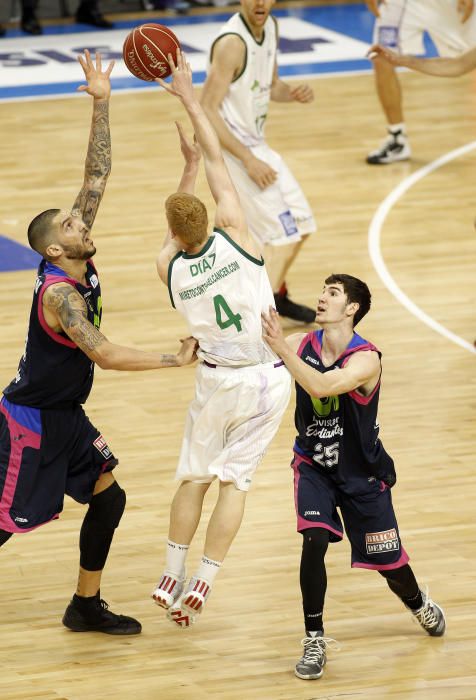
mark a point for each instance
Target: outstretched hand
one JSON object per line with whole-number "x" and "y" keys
{"x": 181, "y": 85}
{"x": 99, "y": 84}
{"x": 376, "y": 51}
{"x": 272, "y": 331}
{"x": 191, "y": 151}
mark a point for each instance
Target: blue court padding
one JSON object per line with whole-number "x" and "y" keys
{"x": 14, "y": 256}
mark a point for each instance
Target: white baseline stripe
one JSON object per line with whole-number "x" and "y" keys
{"x": 375, "y": 251}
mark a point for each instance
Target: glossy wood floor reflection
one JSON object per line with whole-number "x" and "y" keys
{"x": 246, "y": 643}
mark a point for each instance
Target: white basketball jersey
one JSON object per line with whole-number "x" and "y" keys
{"x": 222, "y": 291}
{"x": 245, "y": 106}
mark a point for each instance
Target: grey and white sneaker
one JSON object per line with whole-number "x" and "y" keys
{"x": 430, "y": 616}
{"x": 395, "y": 148}
{"x": 310, "y": 666}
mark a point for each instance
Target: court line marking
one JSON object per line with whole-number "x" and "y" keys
{"x": 374, "y": 239}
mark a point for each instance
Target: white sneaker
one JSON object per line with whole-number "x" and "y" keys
{"x": 195, "y": 596}
{"x": 168, "y": 590}
{"x": 395, "y": 148}
{"x": 179, "y": 617}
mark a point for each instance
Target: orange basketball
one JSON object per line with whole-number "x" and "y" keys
{"x": 145, "y": 51}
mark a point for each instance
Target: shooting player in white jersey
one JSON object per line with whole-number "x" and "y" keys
{"x": 242, "y": 79}
{"x": 220, "y": 284}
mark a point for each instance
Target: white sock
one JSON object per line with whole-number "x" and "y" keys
{"x": 175, "y": 558}
{"x": 208, "y": 569}
{"x": 393, "y": 128}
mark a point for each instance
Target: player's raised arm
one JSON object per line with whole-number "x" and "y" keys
{"x": 191, "y": 153}
{"x": 98, "y": 159}
{"x": 228, "y": 214}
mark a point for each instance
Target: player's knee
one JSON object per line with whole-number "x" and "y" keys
{"x": 102, "y": 518}
{"x": 315, "y": 542}
{"x": 106, "y": 508}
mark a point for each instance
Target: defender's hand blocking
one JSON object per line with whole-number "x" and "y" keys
{"x": 272, "y": 331}
{"x": 188, "y": 352}
{"x": 181, "y": 85}
{"x": 99, "y": 84}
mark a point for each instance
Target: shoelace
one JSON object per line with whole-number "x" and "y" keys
{"x": 316, "y": 647}
{"x": 103, "y": 604}
{"x": 427, "y": 615}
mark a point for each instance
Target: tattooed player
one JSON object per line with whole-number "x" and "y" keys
{"x": 48, "y": 447}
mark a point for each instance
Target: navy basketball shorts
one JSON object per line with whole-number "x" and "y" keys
{"x": 45, "y": 454}
{"x": 366, "y": 508}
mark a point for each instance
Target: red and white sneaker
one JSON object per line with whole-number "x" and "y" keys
{"x": 180, "y": 617}
{"x": 168, "y": 590}
{"x": 195, "y": 596}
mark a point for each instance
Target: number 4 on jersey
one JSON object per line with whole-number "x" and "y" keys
{"x": 224, "y": 315}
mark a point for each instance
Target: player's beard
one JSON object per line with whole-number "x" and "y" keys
{"x": 78, "y": 252}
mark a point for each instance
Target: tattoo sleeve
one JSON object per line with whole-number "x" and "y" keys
{"x": 169, "y": 360}
{"x": 70, "y": 309}
{"x": 98, "y": 164}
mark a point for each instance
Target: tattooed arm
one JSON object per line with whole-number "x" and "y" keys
{"x": 65, "y": 310}
{"x": 98, "y": 159}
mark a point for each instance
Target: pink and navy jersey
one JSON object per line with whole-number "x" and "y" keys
{"x": 338, "y": 435}
{"x": 53, "y": 372}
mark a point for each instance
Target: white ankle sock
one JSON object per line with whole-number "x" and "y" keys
{"x": 393, "y": 128}
{"x": 175, "y": 558}
{"x": 208, "y": 569}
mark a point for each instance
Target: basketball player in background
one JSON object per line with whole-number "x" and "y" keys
{"x": 242, "y": 79}
{"x": 218, "y": 281}
{"x": 47, "y": 444}
{"x": 400, "y": 26}
{"x": 339, "y": 461}
{"x": 441, "y": 67}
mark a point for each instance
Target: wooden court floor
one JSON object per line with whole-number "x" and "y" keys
{"x": 246, "y": 643}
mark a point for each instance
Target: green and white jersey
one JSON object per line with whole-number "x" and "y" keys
{"x": 222, "y": 291}
{"x": 245, "y": 106}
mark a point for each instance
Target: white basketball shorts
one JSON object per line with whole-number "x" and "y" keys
{"x": 279, "y": 214}
{"x": 231, "y": 421}
{"x": 402, "y": 23}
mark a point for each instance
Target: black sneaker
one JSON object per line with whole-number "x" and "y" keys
{"x": 97, "y": 618}
{"x": 94, "y": 17}
{"x": 297, "y": 312}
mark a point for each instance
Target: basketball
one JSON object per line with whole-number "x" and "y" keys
{"x": 145, "y": 51}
